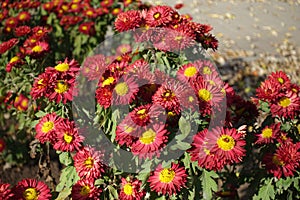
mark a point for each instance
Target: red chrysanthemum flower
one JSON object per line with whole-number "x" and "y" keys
{"x": 88, "y": 164}
{"x": 94, "y": 66}
{"x": 209, "y": 96}
{"x": 169, "y": 95}
{"x": 21, "y": 102}
{"x": 15, "y": 61}
{"x": 41, "y": 86}
{"x": 159, "y": 15}
{"x": 67, "y": 67}
{"x": 268, "y": 91}
{"x": 151, "y": 141}
{"x": 269, "y": 134}
{"x": 22, "y": 31}
{"x": 146, "y": 114}
{"x": 39, "y": 32}
{"x": 104, "y": 95}
{"x": 68, "y": 137}
{"x": 23, "y": 16}
{"x": 131, "y": 190}
{"x": 63, "y": 90}
{"x": 285, "y": 161}
{"x": 38, "y": 50}
{"x": 280, "y": 78}
{"x": 188, "y": 72}
{"x": 227, "y": 145}
{"x": 124, "y": 91}
{"x": 201, "y": 153}
{"x": 45, "y": 129}
{"x": 11, "y": 22}
{"x": 128, "y": 20}
{"x": 31, "y": 189}
{"x": 2, "y": 145}
{"x": 5, "y": 46}
{"x": 168, "y": 180}
{"x": 87, "y": 28}
{"x": 286, "y": 106}
{"x": 126, "y": 132}
{"x": 5, "y": 191}
{"x": 85, "y": 190}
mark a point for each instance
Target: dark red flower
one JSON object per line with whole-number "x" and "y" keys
{"x": 5, "y": 46}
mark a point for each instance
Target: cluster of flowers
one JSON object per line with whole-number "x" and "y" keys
{"x": 56, "y": 83}
{"x": 35, "y": 45}
{"x": 20, "y": 102}
{"x": 87, "y": 161}
{"x": 283, "y": 99}
{"x": 184, "y": 32}
{"x": 84, "y": 13}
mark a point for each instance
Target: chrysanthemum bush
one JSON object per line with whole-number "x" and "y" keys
{"x": 146, "y": 114}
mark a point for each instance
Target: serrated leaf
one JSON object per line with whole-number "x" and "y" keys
{"x": 64, "y": 194}
{"x": 67, "y": 178}
{"x": 65, "y": 158}
{"x": 266, "y": 192}
{"x": 98, "y": 182}
{"x": 184, "y": 126}
{"x": 208, "y": 183}
{"x": 113, "y": 193}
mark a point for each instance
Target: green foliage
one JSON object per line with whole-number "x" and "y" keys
{"x": 209, "y": 184}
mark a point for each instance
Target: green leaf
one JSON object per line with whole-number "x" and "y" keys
{"x": 67, "y": 178}
{"x": 208, "y": 183}
{"x": 65, "y": 158}
{"x": 266, "y": 192}
{"x": 113, "y": 193}
{"x": 64, "y": 194}
{"x": 99, "y": 182}
{"x": 184, "y": 127}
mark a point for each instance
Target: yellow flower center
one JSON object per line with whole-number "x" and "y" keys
{"x": 267, "y": 133}
{"x": 148, "y": 137}
{"x": 206, "y": 70}
{"x": 171, "y": 114}
{"x": 206, "y": 151}
{"x": 30, "y": 194}
{"x": 84, "y": 28}
{"x": 156, "y": 15}
{"x": 22, "y": 16}
{"x": 204, "y": 94}
{"x": 168, "y": 95}
{"x": 128, "y": 129}
{"x": 280, "y": 80}
{"x": 74, "y": 6}
{"x": 85, "y": 190}
{"x": 128, "y": 189}
{"x": 226, "y": 142}
{"x": 14, "y": 59}
{"x": 24, "y": 103}
{"x": 89, "y": 162}
{"x": 108, "y": 81}
{"x": 178, "y": 38}
{"x": 61, "y": 87}
{"x": 68, "y": 138}
{"x": 122, "y": 88}
{"x": 190, "y": 71}
{"x": 276, "y": 161}
{"x": 142, "y": 113}
{"x": 62, "y": 67}
{"x": 89, "y": 13}
{"x": 166, "y": 175}
{"x": 37, "y": 48}
{"x": 47, "y": 126}
{"x": 284, "y": 102}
